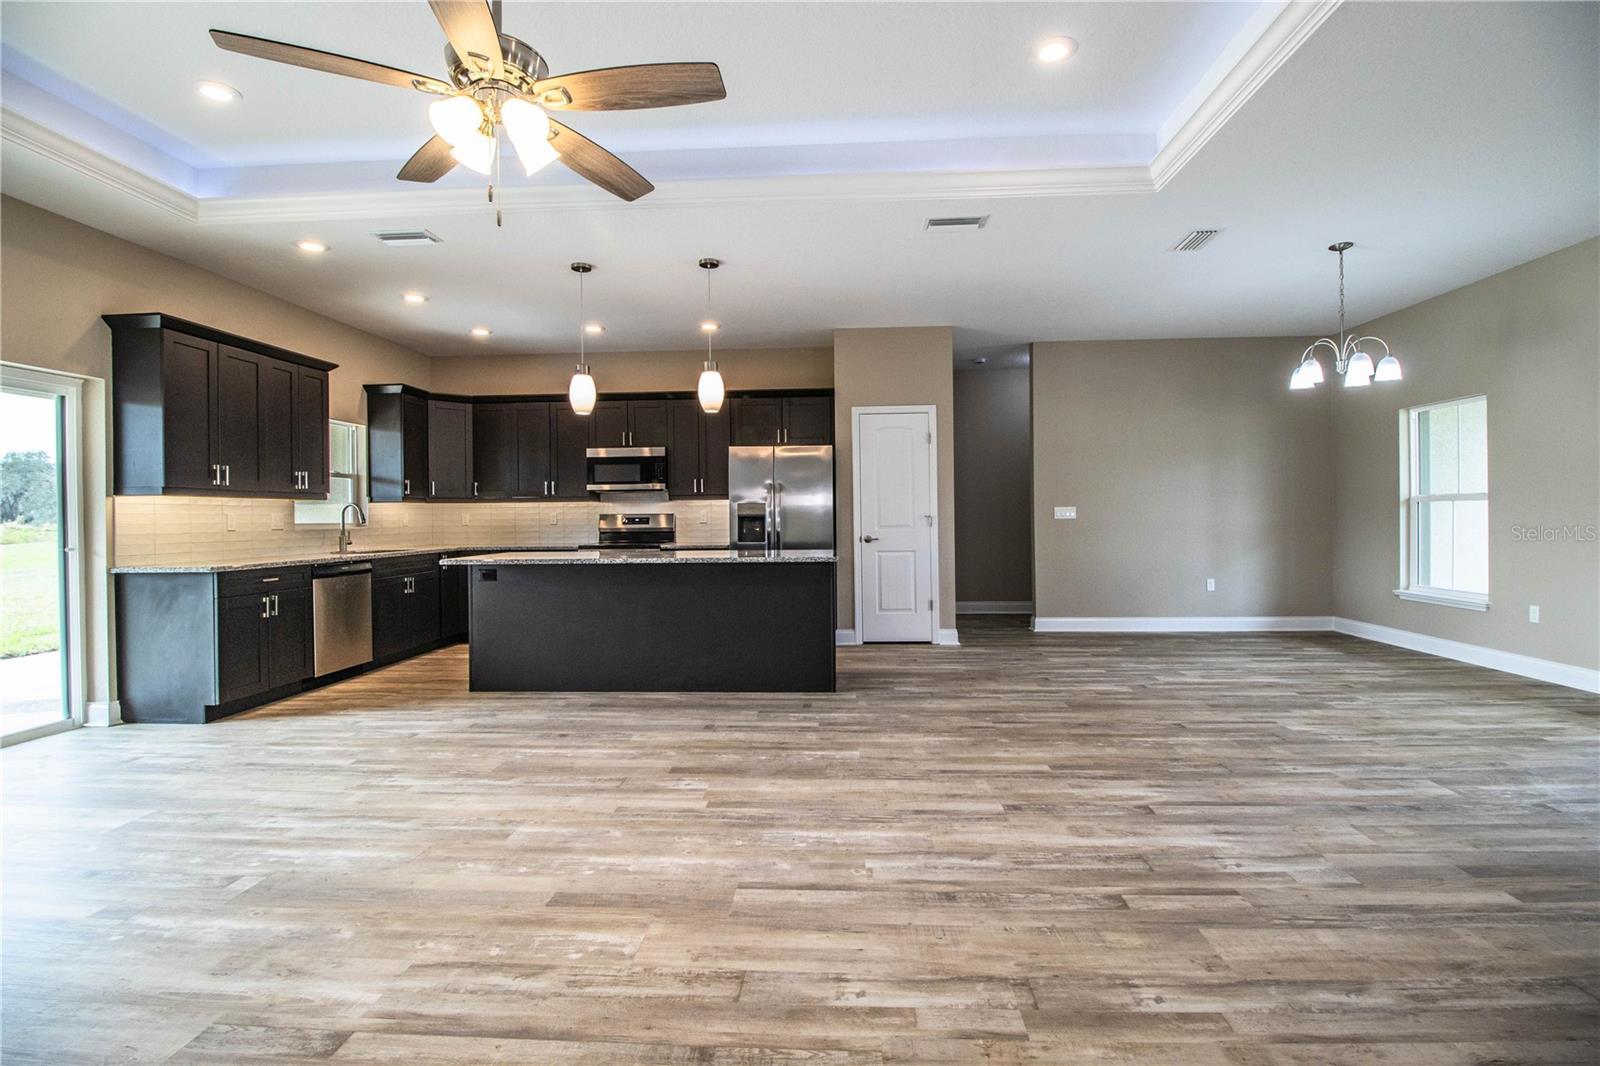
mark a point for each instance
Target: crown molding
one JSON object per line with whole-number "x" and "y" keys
{"x": 1281, "y": 39}
{"x": 41, "y": 141}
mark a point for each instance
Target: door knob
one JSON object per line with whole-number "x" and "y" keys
{"x": 868, "y": 539}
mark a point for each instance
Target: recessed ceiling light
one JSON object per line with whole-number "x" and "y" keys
{"x": 480, "y": 331}
{"x": 1055, "y": 49}
{"x": 309, "y": 245}
{"x": 217, "y": 92}
{"x": 414, "y": 298}
{"x": 592, "y": 328}
{"x": 709, "y": 326}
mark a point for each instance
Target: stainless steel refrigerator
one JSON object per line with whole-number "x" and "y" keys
{"x": 780, "y": 497}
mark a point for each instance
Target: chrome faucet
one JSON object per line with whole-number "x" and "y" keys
{"x": 344, "y": 534}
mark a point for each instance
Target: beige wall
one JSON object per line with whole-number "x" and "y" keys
{"x": 778, "y": 368}
{"x": 1529, "y": 340}
{"x": 60, "y": 277}
{"x": 1186, "y": 459}
{"x": 994, "y": 462}
{"x": 876, "y": 367}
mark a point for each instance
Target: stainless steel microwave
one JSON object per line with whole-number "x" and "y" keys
{"x": 627, "y": 469}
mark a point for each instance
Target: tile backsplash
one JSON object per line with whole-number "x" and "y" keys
{"x": 179, "y": 530}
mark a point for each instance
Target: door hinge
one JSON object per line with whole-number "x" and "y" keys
{"x": 930, "y": 605}
{"x": 930, "y": 436}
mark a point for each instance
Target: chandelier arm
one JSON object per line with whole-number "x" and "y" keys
{"x": 1363, "y": 340}
{"x": 1318, "y": 343}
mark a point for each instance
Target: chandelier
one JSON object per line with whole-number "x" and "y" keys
{"x": 1348, "y": 358}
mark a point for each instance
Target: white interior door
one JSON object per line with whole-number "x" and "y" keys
{"x": 894, "y": 524}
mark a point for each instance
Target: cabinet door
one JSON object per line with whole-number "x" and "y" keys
{"x": 311, "y": 429}
{"x": 494, "y": 450}
{"x": 756, "y": 419}
{"x": 391, "y": 604}
{"x": 188, "y": 405}
{"x": 449, "y": 450}
{"x": 647, "y": 423}
{"x": 239, "y": 417}
{"x": 609, "y": 424}
{"x": 241, "y": 651}
{"x": 289, "y": 638}
{"x": 684, "y": 458}
{"x": 422, "y": 613}
{"x": 453, "y": 602}
{"x": 569, "y": 466}
{"x": 414, "y": 447}
{"x": 534, "y": 466}
{"x": 714, "y": 438}
{"x": 276, "y": 413}
{"x": 808, "y": 420}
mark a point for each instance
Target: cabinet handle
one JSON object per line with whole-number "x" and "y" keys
{"x": 474, "y": 488}
{"x": 274, "y": 605}
{"x": 227, "y": 474}
{"x": 266, "y": 607}
{"x": 433, "y": 488}
{"x": 405, "y": 486}
{"x": 216, "y": 474}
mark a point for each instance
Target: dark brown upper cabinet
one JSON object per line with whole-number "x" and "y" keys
{"x": 202, "y": 412}
{"x": 779, "y": 419}
{"x": 697, "y": 455}
{"x": 450, "y": 450}
{"x": 629, "y": 424}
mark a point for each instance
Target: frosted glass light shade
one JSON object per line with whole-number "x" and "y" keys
{"x": 1314, "y": 371}
{"x": 528, "y": 127}
{"x": 1388, "y": 369}
{"x": 456, "y": 118}
{"x": 1360, "y": 364}
{"x": 581, "y": 392}
{"x": 1353, "y": 380}
{"x": 710, "y": 389}
{"x": 476, "y": 154}
{"x": 1300, "y": 379}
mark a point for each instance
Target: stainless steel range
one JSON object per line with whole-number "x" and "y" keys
{"x": 636, "y": 530}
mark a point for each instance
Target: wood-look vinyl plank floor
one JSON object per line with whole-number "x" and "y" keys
{"x": 1275, "y": 850}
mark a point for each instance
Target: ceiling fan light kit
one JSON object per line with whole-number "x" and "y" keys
{"x": 1348, "y": 357}
{"x": 498, "y": 81}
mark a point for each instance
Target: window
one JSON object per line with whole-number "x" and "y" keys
{"x": 347, "y": 477}
{"x": 1445, "y": 505}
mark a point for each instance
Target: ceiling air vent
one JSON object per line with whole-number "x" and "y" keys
{"x": 957, "y": 222}
{"x": 404, "y": 237}
{"x": 1196, "y": 240}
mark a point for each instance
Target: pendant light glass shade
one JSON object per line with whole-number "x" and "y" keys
{"x": 710, "y": 389}
{"x": 1360, "y": 365}
{"x": 1300, "y": 379}
{"x": 528, "y": 128}
{"x": 581, "y": 392}
{"x": 476, "y": 155}
{"x": 1388, "y": 369}
{"x": 457, "y": 119}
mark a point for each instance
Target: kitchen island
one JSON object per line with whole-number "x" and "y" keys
{"x": 650, "y": 621}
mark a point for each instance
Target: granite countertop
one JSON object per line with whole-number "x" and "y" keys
{"x": 367, "y": 556}
{"x": 601, "y": 558}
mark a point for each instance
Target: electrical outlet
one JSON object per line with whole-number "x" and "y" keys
{"x": 230, "y": 521}
{"x": 466, "y": 519}
{"x": 277, "y": 520}
{"x": 1211, "y": 584}
{"x": 552, "y": 516}
{"x": 1066, "y": 512}
{"x": 1533, "y": 613}
{"x": 702, "y": 517}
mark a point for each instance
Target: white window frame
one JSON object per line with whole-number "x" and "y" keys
{"x": 312, "y": 514}
{"x": 1410, "y": 588}
{"x": 30, "y": 381}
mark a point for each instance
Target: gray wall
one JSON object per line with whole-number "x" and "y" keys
{"x": 1529, "y": 340}
{"x": 994, "y": 537}
{"x": 1186, "y": 459}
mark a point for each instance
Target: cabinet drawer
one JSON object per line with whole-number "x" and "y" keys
{"x": 242, "y": 582}
{"x": 403, "y": 564}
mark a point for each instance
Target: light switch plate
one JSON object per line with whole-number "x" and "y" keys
{"x": 1533, "y": 613}
{"x": 277, "y": 521}
{"x": 1066, "y": 512}
{"x": 230, "y": 522}
{"x": 466, "y": 519}
{"x": 1211, "y": 584}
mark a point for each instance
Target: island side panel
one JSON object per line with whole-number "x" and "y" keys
{"x": 658, "y": 627}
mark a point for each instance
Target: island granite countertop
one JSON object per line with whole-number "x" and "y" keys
{"x": 649, "y": 556}
{"x": 320, "y": 560}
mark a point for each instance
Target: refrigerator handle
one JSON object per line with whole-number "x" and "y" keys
{"x": 770, "y": 541}
{"x": 777, "y": 510}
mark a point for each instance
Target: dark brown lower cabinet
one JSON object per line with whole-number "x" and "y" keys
{"x": 405, "y": 614}
{"x": 263, "y": 642}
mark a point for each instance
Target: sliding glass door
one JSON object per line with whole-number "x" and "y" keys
{"x": 36, "y": 655}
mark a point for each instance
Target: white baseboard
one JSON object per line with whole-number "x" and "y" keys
{"x": 845, "y": 638}
{"x": 994, "y": 607}
{"x": 948, "y": 638}
{"x": 1555, "y": 673}
{"x": 102, "y": 713}
{"x": 1186, "y": 624}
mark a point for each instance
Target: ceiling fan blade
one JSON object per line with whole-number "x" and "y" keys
{"x": 595, "y": 163}
{"x": 469, "y": 25}
{"x": 430, "y": 163}
{"x": 328, "y": 62}
{"x": 629, "y": 88}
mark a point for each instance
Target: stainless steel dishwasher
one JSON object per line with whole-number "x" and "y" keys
{"x": 341, "y": 616}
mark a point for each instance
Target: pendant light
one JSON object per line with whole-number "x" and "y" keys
{"x": 581, "y": 392}
{"x": 710, "y": 388}
{"x": 1348, "y": 358}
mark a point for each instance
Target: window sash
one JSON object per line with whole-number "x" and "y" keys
{"x": 1413, "y": 504}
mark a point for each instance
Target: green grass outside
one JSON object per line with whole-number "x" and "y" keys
{"x": 29, "y": 591}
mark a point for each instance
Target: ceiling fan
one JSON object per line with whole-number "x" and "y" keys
{"x": 496, "y": 82}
